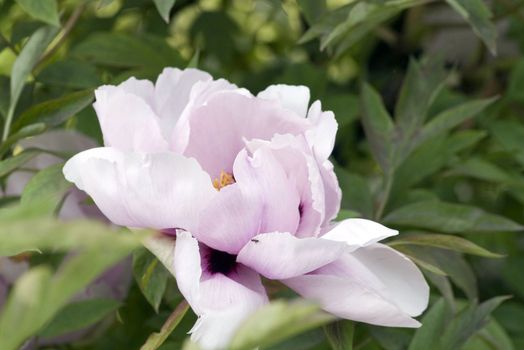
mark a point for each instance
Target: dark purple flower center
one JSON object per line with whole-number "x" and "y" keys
{"x": 221, "y": 262}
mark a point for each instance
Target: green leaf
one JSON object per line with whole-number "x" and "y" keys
{"x": 55, "y": 112}
{"x": 468, "y": 322}
{"x": 79, "y": 315}
{"x": 450, "y": 218}
{"x": 455, "y": 243}
{"x": 24, "y": 64}
{"x": 43, "y": 10}
{"x": 164, "y": 8}
{"x": 356, "y": 193}
{"x": 26, "y": 131}
{"x": 448, "y": 262}
{"x": 276, "y": 322}
{"x": 340, "y": 334}
{"x": 378, "y": 126}
{"x": 70, "y": 73}
{"x": 155, "y": 340}
{"x": 477, "y": 13}
{"x": 151, "y": 276}
{"x": 312, "y": 9}
{"x": 11, "y": 164}
{"x": 47, "y": 185}
{"x": 39, "y": 295}
{"x": 421, "y": 85}
{"x": 510, "y": 135}
{"x": 433, "y": 324}
{"x": 453, "y": 117}
{"x": 492, "y": 336}
{"x": 128, "y": 51}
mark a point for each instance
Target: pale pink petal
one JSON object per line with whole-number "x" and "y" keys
{"x": 403, "y": 280}
{"x": 293, "y": 154}
{"x": 160, "y": 190}
{"x": 333, "y": 193}
{"x": 321, "y": 136}
{"x": 186, "y": 265}
{"x": 280, "y": 200}
{"x": 358, "y": 233}
{"x": 127, "y": 121}
{"x": 280, "y": 255}
{"x": 201, "y": 92}
{"x": 348, "y": 298}
{"x": 227, "y": 302}
{"x": 142, "y": 88}
{"x": 231, "y": 219}
{"x": 262, "y": 200}
{"x": 292, "y": 97}
{"x": 219, "y": 129}
{"x": 172, "y": 94}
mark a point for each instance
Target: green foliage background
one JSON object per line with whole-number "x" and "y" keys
{"x": 429, "y": 97}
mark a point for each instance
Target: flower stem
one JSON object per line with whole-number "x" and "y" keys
{"x": 155, "y": 340}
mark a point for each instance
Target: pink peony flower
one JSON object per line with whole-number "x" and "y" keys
{"x": 245, "y": 184}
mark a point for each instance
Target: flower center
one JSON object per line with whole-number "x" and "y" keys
{"x": 223, "y": 180}
{"x": 221, "y": 262}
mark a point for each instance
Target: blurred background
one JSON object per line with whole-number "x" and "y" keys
{"x": 429, "y": 98}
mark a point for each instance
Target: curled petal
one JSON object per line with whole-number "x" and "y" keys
{"x": 358, "y": 233}
{"x": 375, "y": 285}
{"x": 321, "y": 137}
{"x": 292, "y": 97}
{"x": 160, "y": 190}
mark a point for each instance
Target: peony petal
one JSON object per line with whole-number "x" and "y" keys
{"x": 358, "y": 233}
{"x": 279, "y": 255}
{"x": 127, "y": 121}
{"x": 160, "y": 190}
{"x": 219, "y": 129}
{"x": 333, "y": 193}
{"x": 172, "y": 90}
{"x": 227, "y": 302}
{"x": 186, "y": 267}
{"x": 292, "y": 97}
{"x": 348, "y": 298}
{"x": 263, "y": 200}
{"x": 321, "y": 137}
{"x": 231, "y": 219}
{"x": 293, "y": 155}
{"x": 404, "y": 282}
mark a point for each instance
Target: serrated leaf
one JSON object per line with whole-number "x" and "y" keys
{"x": 79, "y": 315}
{"x": 450, "y": 242}
{"x": 378, "y": 126}
{"x": 450, "y": 218}
{"x": 164, "y": 8}
{"x": 477, "y": 13}
{"x": 151, "y": 276}
{"x": 42, "y": 10}
{"x": 276, "y": 322}
{"x": 55, "y": 112}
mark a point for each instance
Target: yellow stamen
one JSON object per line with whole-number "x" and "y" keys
{"x": 223, "y": 180}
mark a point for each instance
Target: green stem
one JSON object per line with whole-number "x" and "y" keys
{"x": 8, "y": 120}
{"x": 155, "y": 340}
